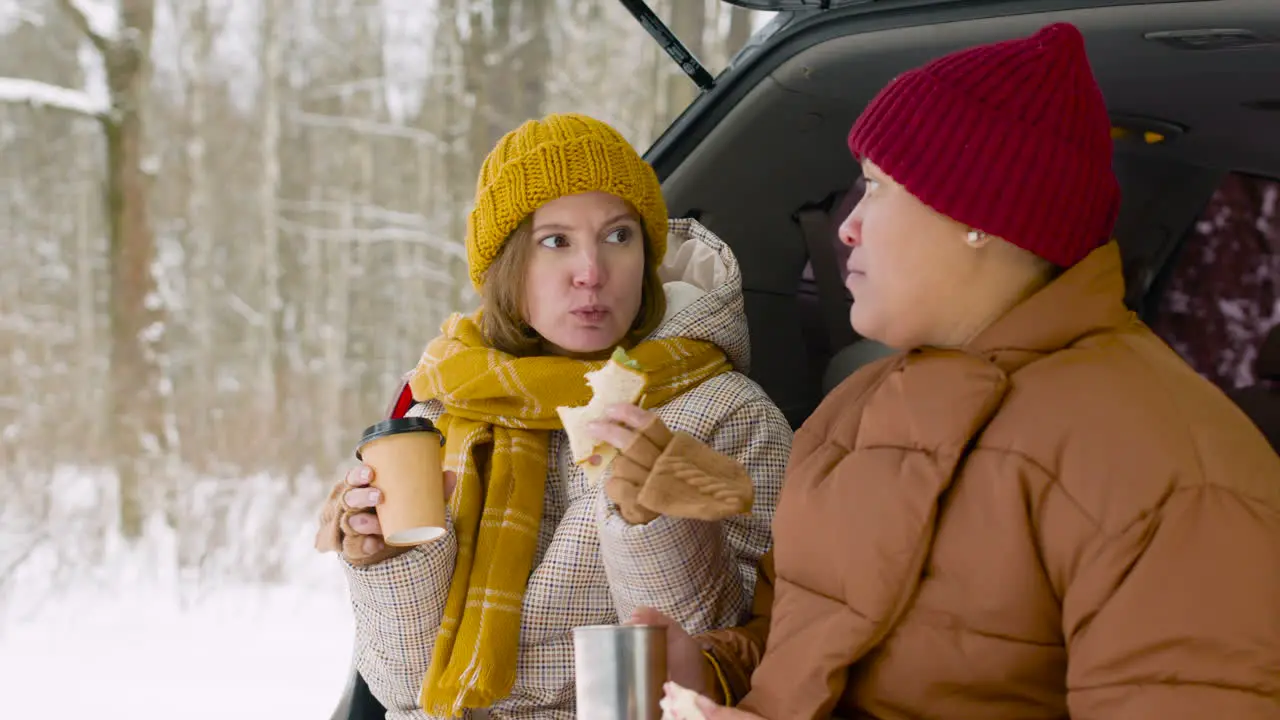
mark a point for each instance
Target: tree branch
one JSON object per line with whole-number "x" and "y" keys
{"x": 94, "y": 24}
{"x": 362, "y": 126}
{"x": 446, "y": 247}
{"x": 44, "y": 95}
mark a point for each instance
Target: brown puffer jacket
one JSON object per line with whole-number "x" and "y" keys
{"x": 1063, "y": 520}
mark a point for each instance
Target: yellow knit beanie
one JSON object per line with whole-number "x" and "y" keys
{"x": 550, "y": 158}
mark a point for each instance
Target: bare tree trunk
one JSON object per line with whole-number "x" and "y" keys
{"x": 317, "y": 336}
{"x": 477, "y": 84}
{"x": 430, "y": 200}
{"x": 739, "y": 31}
{"x": 89, "y": 216}
{"x": 203, "y": 277}
{"x": 460, "y": 164}
{"x": 688, "y": 22}
{"x": 337, "y": 297}
{"x": 273, "y": 365}
{"x": 134, "y": 402}
{"x": 496, "y": 86}
{"x": 15, "y": 381}
{"x": 441, "y": 193}
{"x": 653, "y": 108}
{"x": 535, "y": 58}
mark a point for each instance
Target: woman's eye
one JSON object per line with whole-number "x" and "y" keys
{"x": 871, "y": 185}
{"x": 553, "y": 241}
{"x": 621, "y": 235}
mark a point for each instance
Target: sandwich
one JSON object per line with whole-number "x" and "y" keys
{"x": 680, "y": 703}
{"x": 620, "y": 381}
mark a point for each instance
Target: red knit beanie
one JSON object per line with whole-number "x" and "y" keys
{"x": 1011, "y": 138}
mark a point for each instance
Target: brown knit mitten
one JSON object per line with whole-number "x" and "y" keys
{"x": 690, "y": 480}
{"x": 661, "y": 473}
{"x": 631, "y": 470}
{"x": 335, "y": 533}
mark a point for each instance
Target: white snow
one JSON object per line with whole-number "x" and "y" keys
{"x": 168, "y": 72}
{"x": 103, "y": 17}
{"x": 93, "y": 627}
{"x": 407, "y": 46}
{"x": 236, "y": 59}
{"x": 41, "y": 94}
{"x": 95, "y": 74}
{"x": 14, "y": 14}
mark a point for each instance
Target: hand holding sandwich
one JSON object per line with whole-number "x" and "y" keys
{"x": 658, "y": 472}
{"x": 680, "y": 703}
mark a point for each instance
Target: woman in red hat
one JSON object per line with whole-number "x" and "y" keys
{"x": 1035, "y": 509}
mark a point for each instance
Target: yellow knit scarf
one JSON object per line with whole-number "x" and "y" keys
{"x": 499, "y": 410}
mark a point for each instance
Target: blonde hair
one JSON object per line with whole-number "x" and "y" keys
{"x": 503, "y": 291}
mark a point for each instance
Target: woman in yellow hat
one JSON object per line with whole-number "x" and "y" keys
{"x": 571, "y": 249}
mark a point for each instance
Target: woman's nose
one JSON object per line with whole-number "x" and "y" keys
{"x": 588, "y": 273}
{"x": 850, "y": 231}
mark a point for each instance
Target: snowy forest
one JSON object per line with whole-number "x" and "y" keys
{"x": 229, "y": 228}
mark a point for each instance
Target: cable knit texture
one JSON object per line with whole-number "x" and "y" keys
{"x": 691, "y": 480}
{"x": 1011, "y": 138}
{"x": 546, "y": 159}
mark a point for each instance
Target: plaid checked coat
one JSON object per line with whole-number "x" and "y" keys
{"x": 592, "y": 567}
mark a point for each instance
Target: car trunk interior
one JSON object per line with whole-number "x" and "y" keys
{"x": 769, "y": 140}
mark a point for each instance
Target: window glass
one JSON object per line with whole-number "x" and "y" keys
{"x": 1222, "y": 296}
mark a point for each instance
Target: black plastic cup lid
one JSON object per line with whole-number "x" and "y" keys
{"x": 396, "y": 426}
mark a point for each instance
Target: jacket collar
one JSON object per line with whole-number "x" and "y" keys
{"x": 1086, "y": 299}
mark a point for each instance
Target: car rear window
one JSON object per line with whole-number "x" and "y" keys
{"x": 1222, "y": 296}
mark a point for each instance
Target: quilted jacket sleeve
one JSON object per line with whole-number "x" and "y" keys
{"x": 702, "y": 573}
{"x": 1176, "y": 615}
{"x": 398, "y": 605}
{"x": 737, "y": 651}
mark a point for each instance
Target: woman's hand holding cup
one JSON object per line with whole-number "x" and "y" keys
{"x": 349, "y": 524}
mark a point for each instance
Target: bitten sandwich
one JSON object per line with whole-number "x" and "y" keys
{"x": 620, "y": 381}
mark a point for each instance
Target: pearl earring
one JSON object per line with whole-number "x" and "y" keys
{"x": 975, "y": 238}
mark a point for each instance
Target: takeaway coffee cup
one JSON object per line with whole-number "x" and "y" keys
{"x": 619, "y": 671}
{"x": 405, "y": 456}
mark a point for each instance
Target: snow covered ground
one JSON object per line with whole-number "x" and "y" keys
{"x": 123, "y": 634}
